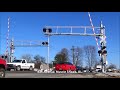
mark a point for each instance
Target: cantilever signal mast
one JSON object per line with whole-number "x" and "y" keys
{"x": 48, "y": 31}
{"x": 25, "y": 43}
{"x": 102, "y": 51}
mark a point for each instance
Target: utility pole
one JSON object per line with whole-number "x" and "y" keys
{"x": 73, "y": 51}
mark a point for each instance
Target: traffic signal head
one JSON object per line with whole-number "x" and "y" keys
{"x": 104, "y": 52}
{"x": 99, "y": 52}
{"x": 2, "y": 56}
{"x": 50, "y": 30}
{"x": 44, "y": 43}
{"x": 103, "y": 47}
{"x": 5, "y": 57}
{"x": 47, "y": 30}
{"x": 44, "y": 29}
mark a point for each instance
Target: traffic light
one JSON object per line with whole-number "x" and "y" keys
{"x": 47, "y": 30}
{"x": 4, "y": 57}
{"x": 44, "y": 43}
{"x": 103, "y": 47}
{"x": 104, "y": 51}
{"x": 100, "y": 52}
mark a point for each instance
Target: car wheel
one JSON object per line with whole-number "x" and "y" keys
{"x": 2, "y": 73}
{"x": 18, "y": 68}
{"x": 31, "y": 68}
{"x": 77, "y": 71}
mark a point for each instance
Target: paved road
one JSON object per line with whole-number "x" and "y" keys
{"x": 32, "y": 74}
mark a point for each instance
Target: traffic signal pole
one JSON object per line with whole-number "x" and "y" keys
{"x": 48, "y": 49}
{"x": 103, "y": 53}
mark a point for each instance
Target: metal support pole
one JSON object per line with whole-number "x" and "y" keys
{"x": 103, "y": 43}
{"x": 48, "y": 49}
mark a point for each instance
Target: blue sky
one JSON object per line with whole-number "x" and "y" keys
{"x": 29, "y": 26}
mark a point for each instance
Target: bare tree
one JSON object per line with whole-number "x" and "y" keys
{"x": 112, "y": 66}
{"x": 59, "y": 58}
{"x": 37, "y": 57}
{"x": 42, "y": 59}
{"x": 28, "y": 57}
{"x": 62, "y": 56}
{"x": 65, "y": 55}
{"x": 38, "y": 61}
{"x": 79, "y": 56}
{"x": 90, "y": 54}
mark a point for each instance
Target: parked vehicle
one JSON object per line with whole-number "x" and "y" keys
{"x": 19, "y": 65}
{"x": 3, "y": 66}
{"x": 78, "y": 68}
{"x": 98, "y": 68}
{"x": 11, "y": 66}
{"x": 65, "y": 66}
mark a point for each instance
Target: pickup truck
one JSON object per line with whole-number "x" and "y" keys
{"x": 3, "y": 66}
{"x": 20, "y": 65}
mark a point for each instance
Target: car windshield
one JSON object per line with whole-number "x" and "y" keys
{"x": 17, "y": 61}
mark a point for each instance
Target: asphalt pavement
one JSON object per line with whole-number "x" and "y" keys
{"x": 34, "y": 74}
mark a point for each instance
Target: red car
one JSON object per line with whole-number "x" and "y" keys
{"x": 3, "y": 66}
{"x": 65, "y": 66}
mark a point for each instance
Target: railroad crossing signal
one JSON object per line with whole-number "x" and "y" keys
{"x": 4, "y": 56}
{"x": 102, "y": 51}
{"x": 47, "y": 30}
{"x": 44, "y": 43}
